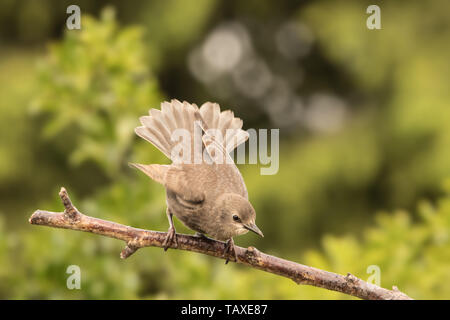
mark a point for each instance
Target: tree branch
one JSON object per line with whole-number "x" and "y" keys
{"x": 135, "y": 239}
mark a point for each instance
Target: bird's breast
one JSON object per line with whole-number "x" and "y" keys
{"x": 191, "y": 214}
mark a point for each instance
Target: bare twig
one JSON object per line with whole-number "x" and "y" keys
{"x": 135, "y": 239}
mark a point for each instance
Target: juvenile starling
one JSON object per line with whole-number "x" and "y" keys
{"x": 204, "y": 188}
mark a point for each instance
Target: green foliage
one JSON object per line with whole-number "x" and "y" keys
{"x": 93, "y": 86}
{"x": 310, "y": 179}
{"x": 404, "y": 63}
{"x": 412, "y": 255}
{"x": 172, "y": 25}
{"x": 16, "y": 88}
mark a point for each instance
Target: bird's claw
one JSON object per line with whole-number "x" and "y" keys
{"x": 171, "y": 237}
{"x": 229, "y": 251}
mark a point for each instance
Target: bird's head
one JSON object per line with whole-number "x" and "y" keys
{"x": 237, "y": 215}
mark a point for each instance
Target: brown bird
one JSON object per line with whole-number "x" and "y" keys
{"x": 204, "y": 188}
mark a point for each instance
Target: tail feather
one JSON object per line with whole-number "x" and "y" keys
{"x": 152, "y": 137}
{"x": 155, "y": 171}
{"x": 177, "y": 114}
{"x": 229, "y": 126}
{"x": 159, "y": 126}
{"x": 168, "y": 112}
{"x": 224, "y": 121}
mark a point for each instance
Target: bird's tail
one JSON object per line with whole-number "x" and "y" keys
{"x": 160, "y": 125}
{"x": 155, "y": 171}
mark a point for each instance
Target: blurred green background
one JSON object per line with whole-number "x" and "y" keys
{"x": 364, "y": 124}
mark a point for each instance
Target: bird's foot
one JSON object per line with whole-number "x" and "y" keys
{"x": 171, "y": 237}
{"x": 229, "y": 251}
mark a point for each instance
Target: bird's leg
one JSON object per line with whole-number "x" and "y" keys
{"x": 229, "y": 251}
{"x": 171, "y": 233}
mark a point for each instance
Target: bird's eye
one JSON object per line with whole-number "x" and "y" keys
{"x": 235, "y": 217}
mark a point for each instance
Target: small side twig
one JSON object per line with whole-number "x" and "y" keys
{"x": 136, "y": 238}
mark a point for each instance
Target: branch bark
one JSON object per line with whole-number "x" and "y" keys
{"x": 135, "y": 239}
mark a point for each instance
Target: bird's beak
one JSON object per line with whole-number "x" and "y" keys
{"x": 253, "y": 227}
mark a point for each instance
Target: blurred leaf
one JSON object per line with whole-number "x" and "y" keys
{"x": 94, "y": 85}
